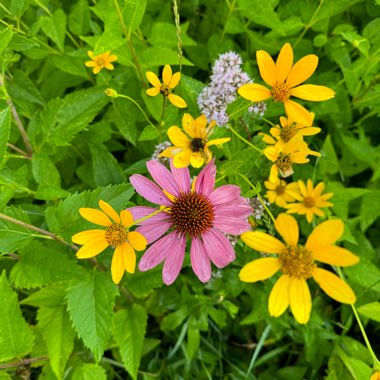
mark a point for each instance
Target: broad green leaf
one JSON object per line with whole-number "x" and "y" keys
{"x": 5, "y": 38}
{"x": 173, "y": 320}
{"x": 238, "y": 108}
{"x": 140, "y": 284}
{"x": 5, "y": 127}
{"x": 133, "y": 12}
{"x": 90, "y": 305}
{"x": 371, "y": 310}
{"x": 16, "y": 337}
{"x": 111, "y": 39}
{"x": 4, "y": 376}
{"x": 49, "y": 296}
{"x": 149, "y": 133}
{"x": 21, "y": 43}
{"x": 58, "y": 334}
{"x": 55, "y": 27}
{"x": 165, "y": 35}
{"x": 328, "y": 162}
{"x": 370, "y": 209}
{"x": 79, "y": 18}
{"x": 44, "y": 170}
{"x": 89, "y": 371}
{"x": 190, "y": 90}
{"x": 365, "y": 273}
{"x": 50, "y": 193}
{"x": 156, "y": 56}
{"x": 129, "y": 331}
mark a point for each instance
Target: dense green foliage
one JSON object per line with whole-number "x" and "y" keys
{"x": 72, "y": 145}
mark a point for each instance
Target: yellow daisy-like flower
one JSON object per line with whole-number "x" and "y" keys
{"x": 280, "y": 192}
{"x": 297, "y": 264}
{"x": 115, "y": 235}
{"x": 287, "y": 130}
{"x": 284, "y": 78}
{"x": 100, "y": 61}
{"x": 310, "y": 200}
{"x": 295, "y": 151}
{"x": 169, "y": 81}
{"x": 194, "y": 148}
{"x": 375, "y": 376}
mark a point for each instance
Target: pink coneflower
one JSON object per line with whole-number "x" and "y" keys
{"x": 197, "y": 211}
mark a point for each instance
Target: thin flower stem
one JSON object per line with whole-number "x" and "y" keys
{"x": 24, "y": 362}
{"x": 138, "y": 106}
{"x": 149, "y": 216}
{"x": 258, "y": 348}
{"x": 376, "y": 361}
{"x": 14, "y": 147}
{"x": 269, "y": 122}
{"x": 243, "y": 139}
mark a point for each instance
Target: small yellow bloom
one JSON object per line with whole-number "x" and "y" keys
{"x": 115, "y": 235}
{"x": 287, "y": 130}
{"x": 169, "y": 81}
{"x": 100, "y": 61}
{"x": 281, "y": 193}
{"x": 194, "y": 148}
{"x": 310, "y": 200}
{"x": 297, "y": 264}
{"x": 112, "y": 93}
{"x": 375, "y": 376}
{"x": 284, "y": 78}
{"x": 295, "y": 151}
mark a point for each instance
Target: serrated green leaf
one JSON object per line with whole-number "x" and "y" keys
{"x": 18, "y": 7}
{"x": 129, "y": 331}
{"x": 238, "y": 108}
{"x": 58, "y": 334}
{"x": 371, "y": 310}
{"x": 55, "y": 27}
{"x": 44, "y": 170}
{"x": 5, "y": 127}
{"x": 46, "y": 192}
{"x": 173, "y": 320}
{"x": 16, "y": 338}
{"x": 50, "y": 296}
{"x": 90, "y": 305}
{"x": 21, "y": 43}
{"x": 89, "y": 371}
{"x": 133, "y": 13}
{"x": 149, "y": 133}
{"x": 5, "y": 38}
{"x": 370, "y": 209}
{"x": 328, "y": 162}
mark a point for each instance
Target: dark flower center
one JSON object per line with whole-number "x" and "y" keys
{"x": 197, "y": 145}
{"x": 284, "y": 162}
{"x": 100, "y": 62}
{"x": 165, "y": 90}
{"x": 297, "y": 262}
{"x": 308, "y": 202}
{"x": 280, "y": 190}
{"x": 288, "y": 133}
{"x": 116, "y": 234}
{"x": 192, "y": 213}
{"x": 280, "y": 92}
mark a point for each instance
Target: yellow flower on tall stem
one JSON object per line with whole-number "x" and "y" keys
{"x": 297, "y": 264}
{"x": 284, "y": 78}
{"x": 310, "y": 200}
{"x": 280, "y": 192}
{"x": 169, "y": 81}
{"x": 115, "y": 235}
{"x": 100, "y": 61}
{"x": 192, "y": 148}
{"x": 295, "y": 151}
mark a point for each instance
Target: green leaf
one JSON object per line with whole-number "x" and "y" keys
{"x": 371, "y": 310}
{"x": 5, "y": 127}
{"x": 328, "y": 162}
{"x": 49, "y": 296}
{"x": 50, "y": 193}
{"x": 18, "y": 7}
{"x": 165, "y": 35}
{"x": 44, "y": 170}
{"x": 90, "y": 304}
{"x": 140, "y": 284}
{"x": 370, "y": 209}
{"x": 58, "y": 334}
{"x": 190, "y": 90}
{"x": 129, "y": 331}
{"x": 55, "y": 27}
{"x": 238, "y": 108}
{"x": 150, "y": 132}
{"x": 366, "y": 274}
{"x": 5, "y": 38}
{"x": 79, "y": 18}
{"x": 133, "y": 13}
{"x": 16, "y": 338}
{"x": 157, "y": 56}
{"x": 89, "y": 371}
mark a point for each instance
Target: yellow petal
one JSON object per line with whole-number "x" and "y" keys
{"x": 312, "y": 92}
{"x": 177, "y": 137}
{"x": 153, "y": 91}
{"x": 254, "y": 92}
{"x": 196, "y": 160}
{"x": 271, "y": 153}
{"x": 129, "y": 258}
{"x": 218, "y": 141}
{"x": 92, "y": 247}
{"x": 95, "y": 216}
{"x": 267, "y": 138}
{"x": 108, "y": 209}
{"x": 266, "y": 67}
{"x": 200, "y": 124}
{"x": 263, "y": 242}
{"x": 287, "y": 227}
{"x": 182, "y": 159}
{"x": 90, "y": 54}
{"x": 260, "y": 269}
{"x": 109, "y": 66}
{"x": 177, "y": 101}
{"x": 117, "y": 264}
{"x": 335, "y": 256}
{"x": 112, "y": 58}
{"x": 309, "y": 131}
{"x": 153, "y": 79}
{"x": 167, "y": 75}
{"x": 126, "y": 218}
{"x": 188, "y": 124}
{"x": 302, "y": 70}
{"x": 279, "y": 296}
{"x": 333, "y": 286}
{"x": 137, "y": 240}
{"x": 300, "y": 300}
{"x": 298, "y": 113}
{"x": 90, "y": 64}
{"x": 284, "y": 63}
{"x": 175, "y": 79}
{"x": 85, "y": 236}
{"x": 171, "y": 151}
{"x": 273, "y": 175}
{"x": 97, "y": 69}
{"x": 325, "y": 234}
{"x": 294, "y": 144}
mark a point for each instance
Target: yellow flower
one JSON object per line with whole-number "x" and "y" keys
{"x": 283, "y": 77}
{"x": 115, "y": 235}
{"x": 100, "y": 61}
{"x": 375, "y": 376}
{"x": 281, "y": 193}
{"x": 287, "y": 130}
{"x": 295, "y": 151}
{"x": 297, "y": 264}
{"x": 311, "y": 200}
{"x": 194, "y": 149}
{"x": 169, "y": 81}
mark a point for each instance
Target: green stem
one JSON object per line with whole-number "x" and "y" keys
{"x": 148, "y": 216}
{"x": 269, "y": 122}
{"x": 376, "y": 361}
{"x": 258, "y": 348}
{"x": 243, "y": 139}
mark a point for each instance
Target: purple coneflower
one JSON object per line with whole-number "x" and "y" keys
{"x": 197, "y": 211}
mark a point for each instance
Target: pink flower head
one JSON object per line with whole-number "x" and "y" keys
{"x": 197, "y": 211}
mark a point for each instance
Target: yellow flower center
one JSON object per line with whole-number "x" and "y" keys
{"x": 165, "y": 90}
{"x": 100, "y": 62}
{"x": 280, "y": 190}
{"x": 284, "y": 162}
{"x": 116, "y": 234}
{"x": 297, "y": 262}
{"x": 288, "y": 132}
{"x": 280, "y": 92}
{"x": 192, "y": 213}
{"x": 308, "y": 202}
{"x": 197, "y": 145}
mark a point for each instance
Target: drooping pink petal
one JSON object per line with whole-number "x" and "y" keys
{"x": 158, "y": 252}
{"x": 139, "y": 212}
{"x": 218, "y": 248}
{"x": 174, "y": 260}
{"x": 149, "y": 190}
{"x": 205, "y": 181}
{"x": 153, "y": 231}
{"x": 199, "y": 260}
{"x": 237, "y": 211}
{"x": 163, "y": 177}
{"x": 181, "y": 176}
{"x": 224, "y": 194}
{"x": 230, "y": 225}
